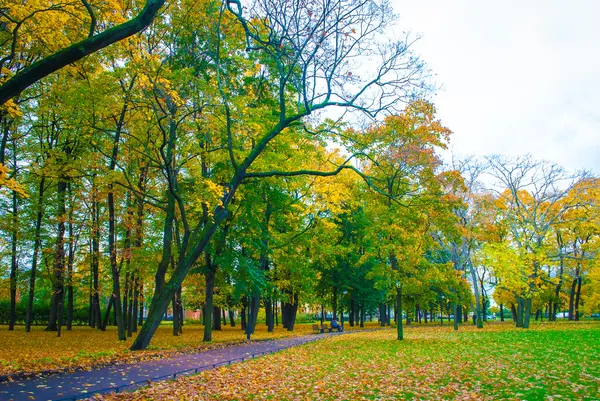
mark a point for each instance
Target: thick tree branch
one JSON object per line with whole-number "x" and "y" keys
{"x": 77, "y": 51}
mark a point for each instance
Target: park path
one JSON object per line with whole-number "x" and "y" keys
{"x": 83, "y": 384}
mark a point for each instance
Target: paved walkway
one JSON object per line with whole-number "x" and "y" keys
{"x": 80, "y": 385}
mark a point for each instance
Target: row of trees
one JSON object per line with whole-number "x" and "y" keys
{"x": 194, "y": 163}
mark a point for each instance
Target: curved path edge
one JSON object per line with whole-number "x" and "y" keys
{"x": 128, "y": 377}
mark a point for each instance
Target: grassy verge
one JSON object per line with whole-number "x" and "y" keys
{"x": 546, "y": 362}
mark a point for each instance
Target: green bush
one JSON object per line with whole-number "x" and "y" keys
{"x": 40, "y": 313}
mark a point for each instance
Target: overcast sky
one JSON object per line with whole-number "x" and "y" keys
{"x": 517, "y": 76}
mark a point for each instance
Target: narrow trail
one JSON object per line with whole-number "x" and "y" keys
{"x": 127, "y": 377}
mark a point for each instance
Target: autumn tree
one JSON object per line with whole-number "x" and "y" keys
{"x": 301, "y": 49}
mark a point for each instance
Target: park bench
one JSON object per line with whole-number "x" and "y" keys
{"x": 321, "y": 329}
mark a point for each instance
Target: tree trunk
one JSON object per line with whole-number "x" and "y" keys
{"x": 102, "y": 324}
{"x": 520, "y": 307}
{"x": 95, "y": 259}
{"x": 455, "y": 311}
{"x": 36, "y": 249}
{"x": 577, "y": 297}
{"x": 478, "y": 309}
{"x": 231, "y": 318}
{"x": 14, "y": 264}
{"x": 116, "y": 288}
{"x": 400, "y": 334}
{"x": 175, "y": 316}
{"x": 362, "y": 314}
{"x": 253, "y": 307}
{"x": 70, "y": 262}
{"x": 243, "y": 324}
{"x": 270, "y": 320}
{"x": 59, "y": 260}
{"x": 134, "y": 311}
{"x": 572, "y": 297}
{"x": 208, "y": 302}
{"x": 527, "y": 312}
{"x": 501, "y": 312}
{"x": 291, "y": 310}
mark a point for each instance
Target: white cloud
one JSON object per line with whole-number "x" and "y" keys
{"x": 517, "y": 77}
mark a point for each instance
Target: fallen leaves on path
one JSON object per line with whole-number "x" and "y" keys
{"x": 559, "y": 361}
{"x": 84, "y": 348}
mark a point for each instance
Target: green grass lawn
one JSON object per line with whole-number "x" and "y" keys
{"x": 546, "y": 362}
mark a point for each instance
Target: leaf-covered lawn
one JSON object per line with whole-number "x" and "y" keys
{"x": 547, "y": 362}
{"x": 82, "y": 348}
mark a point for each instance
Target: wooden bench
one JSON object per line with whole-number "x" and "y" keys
{"x": 321, "y": 328}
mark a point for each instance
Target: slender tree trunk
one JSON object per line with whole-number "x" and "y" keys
{"x": 231, "y": 318}
{"x": 14, "y": 263}
{"x": 175, "y": 316}
{"x": 102, "y": 324}
{"x": 253, "y": 307}
{"x": 130, "y": 317}
{"x": 270, "y": 319}
{"x": 572, "y": 299}
{"x": 96, "y": 319}
{"x": 501, "y": 312}
{"x": 70, "y": 262}
{"x": 59, "y": 260}
{"x": 36, "y": 249}
{"x": 362, "y": 314}
{"x": 400, "y": 334}
{"x": 243, "y": 324}
{"x": 208, "y": 302}
{"x": 126, "y": 298}
{"x": 578, "y": 296}
{"x": 116, "y": 288}
{"x": 478, "y": 320}
{"x": 136, "y": 296}
{"x": 455, "y": 311}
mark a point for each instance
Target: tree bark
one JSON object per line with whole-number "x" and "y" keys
{"x": 14, "y": 263}
{"x": 36, "y": 249}
{"x": 70, "y": 262}
{"x": 400, "y": 331}
{"x": 59, "y": 260}
{"x": 208, "y": 302}
{"x": 231, "y": 318}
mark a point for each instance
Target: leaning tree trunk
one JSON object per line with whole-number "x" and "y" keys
{"x": 478, "y": 320}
